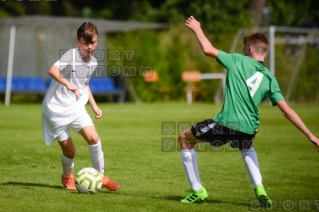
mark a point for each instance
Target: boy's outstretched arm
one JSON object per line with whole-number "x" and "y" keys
{"x": 206, "y": 45}
{"x": 293, "y": 117}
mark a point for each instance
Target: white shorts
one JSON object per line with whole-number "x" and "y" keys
{"x": 56, "y": 128}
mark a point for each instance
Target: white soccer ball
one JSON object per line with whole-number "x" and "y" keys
{"x": 88, "y": 181}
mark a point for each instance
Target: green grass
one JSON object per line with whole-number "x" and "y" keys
{"x": 152, "y": 179}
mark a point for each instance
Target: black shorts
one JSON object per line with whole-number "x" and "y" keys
{"x": 218, "y": 135}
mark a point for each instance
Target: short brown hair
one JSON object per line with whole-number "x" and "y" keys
{"x": 87, "y": 31}
{"x": 259, "y": 41}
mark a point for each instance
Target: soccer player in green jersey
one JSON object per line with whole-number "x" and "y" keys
{"x": 248, "y": 83}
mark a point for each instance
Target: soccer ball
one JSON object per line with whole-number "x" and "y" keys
{"x": 88, "y": 181}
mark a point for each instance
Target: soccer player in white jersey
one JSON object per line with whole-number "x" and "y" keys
{"x": 248, "y": 83}
{"x": 64, "y": 106}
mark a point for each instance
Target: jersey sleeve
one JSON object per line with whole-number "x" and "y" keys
{"x": 227, "y": 60}
{"x": 275, "y": 92}
{"x": 65, "y": 60}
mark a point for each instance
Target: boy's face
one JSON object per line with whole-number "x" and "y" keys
{"x": 85, "y": 48}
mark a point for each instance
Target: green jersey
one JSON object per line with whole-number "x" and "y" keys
{"x": 248, "y": 83}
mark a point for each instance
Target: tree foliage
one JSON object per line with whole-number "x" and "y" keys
{"x": 293, "y": 13}
{"x": 217, "y": 15}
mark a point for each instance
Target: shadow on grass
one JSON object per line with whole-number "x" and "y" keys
{"x": 207, "y": 201}
{"x": 174, "y": 198}
{"x": 31, "y": 185}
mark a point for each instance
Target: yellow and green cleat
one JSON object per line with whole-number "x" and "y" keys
{"x": 262, "y": 197}
{"x": 195, "y": 196}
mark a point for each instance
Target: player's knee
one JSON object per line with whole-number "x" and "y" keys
{"x": 93, "y": 139}
{"x": 182, "y": 137}
{"x": 73, "y": 152}
{"x": 185, "y": 142}
{"x": 69, "y": 153}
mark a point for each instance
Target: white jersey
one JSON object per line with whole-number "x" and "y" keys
{"x": 59, "y": 101}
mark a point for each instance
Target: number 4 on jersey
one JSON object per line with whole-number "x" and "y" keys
{"x": 253, "y": 82}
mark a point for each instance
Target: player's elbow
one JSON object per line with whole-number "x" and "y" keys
{"x": 284, "y": 114}
{"x": 285, "y": 109}
{"x": 207, "y": 51}
{"x": 52, "y": 70}
{"x": 210, "y": 51}
{"x": 287, "y": 112}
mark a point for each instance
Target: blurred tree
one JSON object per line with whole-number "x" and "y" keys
{"x": 29, "y": 7}
{"x": 23, "y": 7}
{"x": 293, "y": 13}
{"x": 256, "y": 11}
{"x": 57, "y": 8}
{"x": 10, "y": 8}
{"x": 86, "y": 12}
{"x": 216, "y": 16}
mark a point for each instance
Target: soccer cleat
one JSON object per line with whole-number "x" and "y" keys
{"x": 110, "y": 184}
{"x": 68, "y": 182}
{"x": 262, "y": 197}
{"x": 195, "y": 196}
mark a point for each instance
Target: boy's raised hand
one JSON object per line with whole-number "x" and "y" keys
{"x": 192, "y": 23}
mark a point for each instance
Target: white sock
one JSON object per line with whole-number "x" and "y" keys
{"x": 251, "y": 162}
{"x": 189, "y": 160}
{"x": 97, "y": 157}
{"x": 194, "y": 160}
{"x": 67, "y": 166}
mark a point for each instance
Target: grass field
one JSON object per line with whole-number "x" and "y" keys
{"x": 153, "y": 179}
